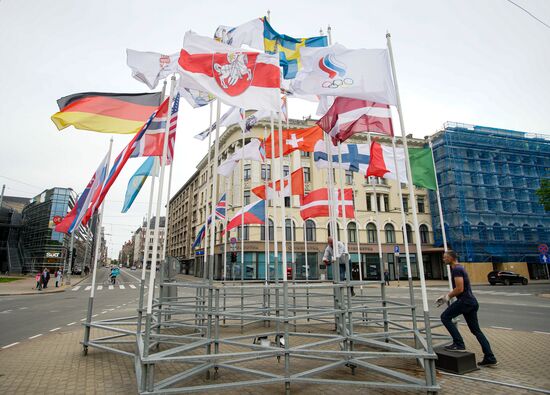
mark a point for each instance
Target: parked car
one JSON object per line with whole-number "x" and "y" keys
{"x": 505, "y": 278}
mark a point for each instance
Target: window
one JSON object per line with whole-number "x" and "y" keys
{"x": 421, "y": 205}
{"x": 246, "y": 232}
{"x": 352, "y": 232}
{"x": 383, "y": 203}
{"x": 304, "y": 154}
{"x": 369, "y": 202}
{"x": 286, "y": 170}
{"x": 527, "y": 233}
{"x": 390, "y": 233}
{"x": 266, "y": 172}
{"x": 405, "y": 204}
{"x": 310, "y": 230}
{"x": 247, "y": 171}
{"x": 513, "y": 232}
{"x": 246, "y": 197}
{"x": 349, "y": 177}
{"x": 337, "y": 228}
{"x": 290, "y": 229}
{"x": 541, "y": 234}
{"x": 307, "y": 173}
{"x": 409, "y": 234}
{"x": 482, "y": 231}
{"x": 270, "y": 230}
{"x": 497, "y": 232}
{"x": 424, "y": 234}
{"x": 287, "y": 201}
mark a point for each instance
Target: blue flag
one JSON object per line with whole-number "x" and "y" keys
{"x": 137, "y": 181}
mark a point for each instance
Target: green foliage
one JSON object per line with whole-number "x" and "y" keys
{"x": 544, "y": 194}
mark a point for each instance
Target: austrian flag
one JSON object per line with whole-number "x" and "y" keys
{"x": 248, "y": 80}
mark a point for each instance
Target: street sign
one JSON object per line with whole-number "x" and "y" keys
{"x": 543, "y": 249}
{"x": 199, "y": 252}
{"x": 544, "y": 258}
{"x": 396, "y": 249}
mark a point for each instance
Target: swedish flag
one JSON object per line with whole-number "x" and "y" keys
{"x": 288, "y": 48}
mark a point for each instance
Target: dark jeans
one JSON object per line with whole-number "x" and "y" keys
{"x": 469, "y": 310}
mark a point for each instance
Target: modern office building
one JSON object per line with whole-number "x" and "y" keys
{"x": 44, "y": 247}
{"x": 488, "y": 178}
{"x": 190, "y": 206}
{"x": 11, "y": 227}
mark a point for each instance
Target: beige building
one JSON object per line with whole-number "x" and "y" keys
{"x": 187, "y": 214}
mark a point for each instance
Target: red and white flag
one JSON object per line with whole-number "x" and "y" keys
{"x": 349, "y": 116}
{"x": 293, "y": 185}
{"x": 249, "y": 80}
{"x": 317, "y": 204}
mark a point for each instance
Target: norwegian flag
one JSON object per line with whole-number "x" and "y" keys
{"x": 119, "y": 163}
{"x": 152, "y": 142}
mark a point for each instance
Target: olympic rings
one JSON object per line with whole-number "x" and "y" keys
{"x": 337, "y": 83}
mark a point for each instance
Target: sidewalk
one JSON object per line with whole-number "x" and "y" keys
{"x": 54, "y": 364}
{"x": 27, "y": 286}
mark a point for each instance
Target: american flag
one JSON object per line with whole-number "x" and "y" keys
{"x": 172, "y": 128}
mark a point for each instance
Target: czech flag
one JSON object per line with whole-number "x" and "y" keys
{"x": 254, "y": 213}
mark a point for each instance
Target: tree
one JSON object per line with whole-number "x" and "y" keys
{"x": 544, "y": 193}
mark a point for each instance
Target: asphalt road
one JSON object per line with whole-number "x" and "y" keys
{"x": 27, "y": 317}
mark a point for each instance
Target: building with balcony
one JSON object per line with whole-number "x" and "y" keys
{"x": 138, "y": 253}
{"x": 191, "y": 205}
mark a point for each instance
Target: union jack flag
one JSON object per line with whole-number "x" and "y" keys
{"x": 220, "y": 208}
{"x": 219, "y": 214}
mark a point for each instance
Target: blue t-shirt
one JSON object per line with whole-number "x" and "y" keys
{"x": 467, "y": 294}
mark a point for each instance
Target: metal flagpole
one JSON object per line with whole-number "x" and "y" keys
{"x": 274, "y": 201}
{"x": 147, "y": 243}
{"x": 226, "y": 188}
{"x": 266, "y": 222}
{"x": 209, "y": 177}
{"x": 152, "y": 273}
{"x": 441, "y": 220}
{"x": 94, "y": 274}
{"x": 430, "y": 372}
{"x": 283, "y": 211}
{"x": 70, "y": 257}
{"x": 343, "y": 204}
{"x": 380, "y": 255}
{"x": 242, "y": 213}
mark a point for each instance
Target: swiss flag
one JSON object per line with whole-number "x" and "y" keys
{"x": 297, "y": 186}
{"x": 316, "y": 204}
{"x": 295, "y": 139}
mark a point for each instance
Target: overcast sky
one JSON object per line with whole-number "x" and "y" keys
{"x": 478, "y": 62}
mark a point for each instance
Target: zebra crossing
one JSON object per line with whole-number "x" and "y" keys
{"x": 108, "y": 288}
{"x": 481, "y": 292}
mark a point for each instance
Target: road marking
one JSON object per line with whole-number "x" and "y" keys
{"x": 72, "y": 323}
{"x": 99, "y": 287}
{"x": 23, "y": 308}
{"x": 126, "y": 272}
{"x": 542, "y": 333}
{"x": 10, "y": 345}
{"x": 122, "y": 286}
{"x": 501, "y": 327}
{"x": 5, "y": 311}
{"x": 83, "y": 319}
{"x": 54, "y": 329}
{"x": 88, "y": 288}
{"x": 111, "y": 287}
{"x": 132, "y": 286}
{"x": 95, "y": 315}
{"x": 35, "y": 336}
{"x": 76, "y": 288}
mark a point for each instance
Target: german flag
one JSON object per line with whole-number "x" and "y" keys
{"x": 122, "y": 113}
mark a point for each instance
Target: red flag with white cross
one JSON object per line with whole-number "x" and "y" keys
{"x": 294, "y": 139}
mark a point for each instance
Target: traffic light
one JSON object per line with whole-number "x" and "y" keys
{"x": 233, "y": 257}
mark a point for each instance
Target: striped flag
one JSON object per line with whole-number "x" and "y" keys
{"x": 219, "y": 214}
{"x": 316, "y": 204}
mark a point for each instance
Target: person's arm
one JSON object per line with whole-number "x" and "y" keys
{"x": 326, "y": 255}
{"x": 458, "y": 289}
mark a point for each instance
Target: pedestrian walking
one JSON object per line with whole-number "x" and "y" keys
{"x": 58, "y": 277}
{"x": 38, "y": 278}
{"x": 386, "y": 277}
{"x": 45, "y": 278}
{"x": 467, "y": 305}
{"x": 343, "y": 259}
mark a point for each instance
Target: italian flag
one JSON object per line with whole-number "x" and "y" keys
{"x": 383, "y": 161}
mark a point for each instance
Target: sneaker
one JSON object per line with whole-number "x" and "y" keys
{"x": 487, "y": 363}
{"x": 454, "y": 347}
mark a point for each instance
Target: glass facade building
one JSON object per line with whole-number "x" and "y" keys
{"x": 488, "y": 178}
{"x": 44, "y": 246}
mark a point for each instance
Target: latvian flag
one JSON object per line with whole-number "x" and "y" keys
{"x": 316, "y": 204}
{"x": 349, "y": 116}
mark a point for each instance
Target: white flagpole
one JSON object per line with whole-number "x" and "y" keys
{"x": 292, "y": 229}
{"x": 274, "y": 201}
{"x": 214, "y": 196}
{"x": 283, "y": 211}
{"x": 359, "y": 251}
{"x": 96, "y": 253}
{"x": 333, "y": 204}
{"x": 266, "y": 222}
{"x": 225, "y": 231}
{"x": 152, "y": 273}
{"x": 343, "y": 204}
{"x": 431, "y": 371}
{"x": 441, "y": 220}
{"x": 242, "y": 206}
{"x": 209, "y": 178}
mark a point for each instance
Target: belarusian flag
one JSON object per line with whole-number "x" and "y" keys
{"x": 382, "y": 164}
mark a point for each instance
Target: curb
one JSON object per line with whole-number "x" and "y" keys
{"x": 45, "y": 293}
